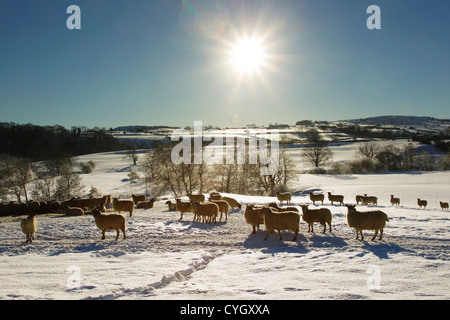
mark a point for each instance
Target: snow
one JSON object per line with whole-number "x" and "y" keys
{"x": 164, "y": 258}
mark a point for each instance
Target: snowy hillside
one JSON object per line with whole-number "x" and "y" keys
{"x": 165, "y": 258}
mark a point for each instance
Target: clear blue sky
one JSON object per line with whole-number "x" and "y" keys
{"x": 152, "y": 62}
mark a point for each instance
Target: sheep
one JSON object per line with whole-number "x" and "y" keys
{"x": 146, "y": 204}
{"x": 224, "y": 207}
{"x": 55, "y": 206}
{"x": 335, "y": 198}
{"x": 359, "y": 199}
{"x": 184, "y": 207}
{"x": 81, "y": 203}
{"x": 29, "y": 226}
{"x": 366, "y": 200}
{"x": 207, "y": 210}
{"x": 137, "y": 199}
{"x": 281, "y": 209}
{"x": 101, "y": 208}
{"x": 214, "y": 196}
{"x": 395, "y": 201}
{"x": 253, "y": 216}
{"x": 110, "y": 222}
{"x": 322, "y": 215}
{"x": 98, "y": 202}
{"x": 368, "y": 220}
{"x": 285, "y": 196}
{"x": 196, "y": 197}
{"x": 172, "y": 206}
{"x": 444, "y": 205}
{"x": 422, "y": 203}
{"x": 123, "y": 205}
{"x": 73, "y": 211}
{"x": 316, "y": 197}
{"x": 33, "y": 207}
{"x": 273, "y": 220}
{"x": 232, "y": 202}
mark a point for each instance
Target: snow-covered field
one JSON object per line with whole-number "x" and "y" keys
{"x": 165, "y": 258}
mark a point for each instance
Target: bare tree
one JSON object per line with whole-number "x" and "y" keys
{"x": 318, "y": 154}
{"x": 132, "y": 155}
{"x": 369, "y": 149}
{"x": 15, "y": 174}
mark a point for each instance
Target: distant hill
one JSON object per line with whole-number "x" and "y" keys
{"x": 142, "y": 128}
{"x": 400, "y": 120}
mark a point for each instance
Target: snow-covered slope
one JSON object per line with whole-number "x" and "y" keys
{"x": 165, "y": 258}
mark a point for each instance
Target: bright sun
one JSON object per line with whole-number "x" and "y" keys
{"x": 248, "y": 55}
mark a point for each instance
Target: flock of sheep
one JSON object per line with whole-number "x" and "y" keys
{"x": 206, "y": 210}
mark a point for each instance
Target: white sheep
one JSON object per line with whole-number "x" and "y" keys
{"x": 207, "y": 210}
{"x": 322, "y": 215}
{"x": 139, "y": 198}
{"x": 196, "y": 197}
{"x": 214, "y": 196}
{"x": 422, "y": 203}
{"x": 184, "y": 207}
{"x": 145, "y": 204}
{"x": 171, "y": 206}
{"x": 232, "y": 202}
{"x": 110, "y": 222}
{"x": 29, "y": 226}
{"x": 273, "y": 220}
{"x": 366, "y": 200}
{"x": 123, "y": 205}
{"x": 224, "y": 207}
{"x": 316, "y": 197}
{"x": 336, "y": 198}
{"x": 395, "y": 201}
{"x": 73, "y": 211}
{"x": 281, "y": 209}
{"x": 368, "y": 220}
{"x": 285, "y": 196}
{"x": 253, "y": 216}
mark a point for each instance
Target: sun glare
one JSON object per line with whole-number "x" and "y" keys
{"x": 248, "y": 55}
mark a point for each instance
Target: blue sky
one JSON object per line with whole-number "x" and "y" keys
{"x": 159, "y": 62}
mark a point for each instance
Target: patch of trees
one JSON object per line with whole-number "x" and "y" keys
{"x": 54, "y": 142}
{"x": 162, "y": 174}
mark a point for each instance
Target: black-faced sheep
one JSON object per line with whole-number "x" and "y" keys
{"x": 368, "y": 220}
{"x": 322, "y": 215}
{"x": 422, "y": 203}
{"x": 280, "y": 221}
{"x": 395, "y": 201}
